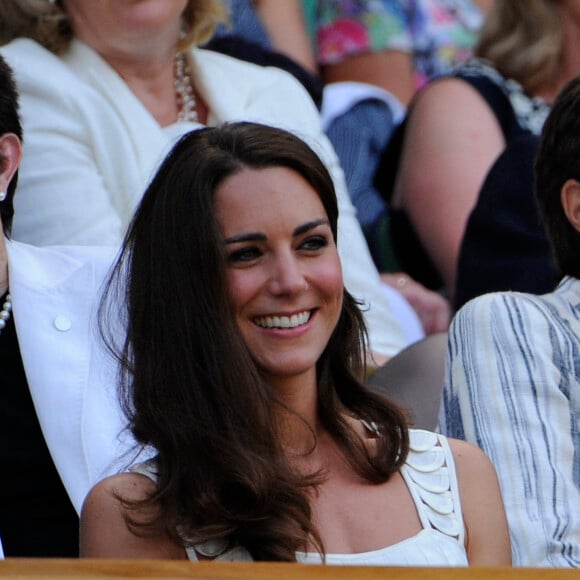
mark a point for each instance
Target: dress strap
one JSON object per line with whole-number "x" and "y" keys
{"x": 146, "y": 468}
{"x": 430, "y": 475}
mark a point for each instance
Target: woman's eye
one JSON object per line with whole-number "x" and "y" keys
{"x": 244, "y": 255}
{"x": 314, "y": 243}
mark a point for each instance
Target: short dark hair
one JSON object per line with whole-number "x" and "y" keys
{"x": 557, "y": 160}
{"x": 9, "y": 123}
{"x": 189, "y": 385}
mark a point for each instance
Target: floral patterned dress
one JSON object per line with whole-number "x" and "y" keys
{"x": 438, "y": 33}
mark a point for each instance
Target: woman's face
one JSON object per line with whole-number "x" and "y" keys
{"x": 118, "y": 24}
{"x": 284, "y": 274}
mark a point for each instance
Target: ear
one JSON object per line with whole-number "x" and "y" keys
{"x": 10, "y": 152}
{"x": 570, "y": 199}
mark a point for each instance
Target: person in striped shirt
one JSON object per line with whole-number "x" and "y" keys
{"x": 512, "y": 382}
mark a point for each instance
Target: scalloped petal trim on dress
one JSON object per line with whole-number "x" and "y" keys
{"x": 427, "y": 472}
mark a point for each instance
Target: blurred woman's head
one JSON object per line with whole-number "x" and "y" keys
{"x": 48, "y": 22}
{"x": 523, "y": 39}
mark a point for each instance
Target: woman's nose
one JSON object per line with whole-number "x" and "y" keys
{"x": 287, "y": 276}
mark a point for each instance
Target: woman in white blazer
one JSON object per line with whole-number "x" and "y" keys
{"x": 101, "y": 107}
{"x": 60, "y": 425}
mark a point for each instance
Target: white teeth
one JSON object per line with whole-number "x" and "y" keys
{"x": 283, "y": 321}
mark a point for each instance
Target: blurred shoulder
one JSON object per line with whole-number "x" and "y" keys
{"x": 442, "y": 92}
{"x": 469, "y": 459}
{"x": 497, "y": 305}
{"x": 112, "y": 491}
{"x": 214, "y": 61}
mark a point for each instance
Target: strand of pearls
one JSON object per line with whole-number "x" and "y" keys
{"x": 184, "y": 92}
{"x": 5, "y": 312}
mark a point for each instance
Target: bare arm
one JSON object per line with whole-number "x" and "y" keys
{"x": 487, "y": 542}
{"x": 452, "y": 140}
{"x": 284, "y": 22}
{"x": 104, "y": 532}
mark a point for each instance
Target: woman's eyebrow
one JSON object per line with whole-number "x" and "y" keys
{"x": 259, "y": 237}
{"x": 246, "y": 237}
{"x": 310, "y": 226}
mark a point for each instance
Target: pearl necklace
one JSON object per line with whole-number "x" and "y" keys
{"x": 5, "y": 312}
{"x": 184, "y": 93}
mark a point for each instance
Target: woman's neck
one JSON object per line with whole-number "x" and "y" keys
{"x": 144, "y": 61}
{"x": 152, "y": 82}
{"x": 484, "y": 5}
{"x": 570, "y": 66}
{"x": 570, "y": 59}
{"x": 297, "y": 420}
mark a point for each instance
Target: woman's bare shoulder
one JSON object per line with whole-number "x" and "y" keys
{"x": 114, "y": 525}
{"x": 468, "y": 455}
{"x": 487, "y": 538}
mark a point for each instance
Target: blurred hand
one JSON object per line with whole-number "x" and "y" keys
{"x": 433, "y": 310}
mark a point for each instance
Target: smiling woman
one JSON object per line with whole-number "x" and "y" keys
{"x": 241, "y": 369}
{"x": 284, "y": 275}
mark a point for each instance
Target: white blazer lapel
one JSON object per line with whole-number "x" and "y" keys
{"x": 221, "y": 85}
{"x": 130, "y": 132}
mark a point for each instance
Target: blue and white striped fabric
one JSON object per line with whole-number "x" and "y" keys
{"x": 512, "y": 387}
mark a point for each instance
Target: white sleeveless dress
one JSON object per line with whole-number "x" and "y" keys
{"x": 429, "y": 473}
